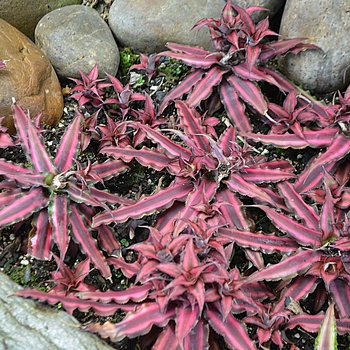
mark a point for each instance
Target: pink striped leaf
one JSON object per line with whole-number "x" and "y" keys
{"x": 203, "y": 60}
{"x": 38, "y": 156}
{"x": 68, "y": 146}
{"x": 289, "y": 267}
{"x": 296, "y": 204}
{"x": 204, "y": 88}
{"x": 186, "y": 320}
{"x": 23, "y": 206}
{"x": 134, "y": 293}
{"x": 107, "y": 240}
{"x": 198, "y": 338}
{"x": 146, "y": 157}
{"x": 340, "y": 293}
{"x": 311, "y": 323}
{"x": 234, "y": 107}
{"x": 237, "y": 183}
{"x": 58, "y": 212}
{"x": 277, "y": 48}
{"x": 302, "y": 234}
{"x": 160, "y": 200}
{"x": 261, "y": 175}
{"x": 327, "y": 335}
{"x": 315, "y": 139}
{"x": 249, "y": 92}
{"x": 258, "y": 241}
{"x": 7, "y": 197}
{"x": 40, "y": 240}
{"x": 105, "y": 197}
{"x": 82, "y": 235}
{"x": 343, "y": 325}
{"x": 300, "y": 288}
{"x": 170, "y": 148}
{"x": 167, "y": 339}
{"x": 71, "y": 303}
{"x": 190, "y": 119}
{"x": 129, "y": 270}
{"x": 253, "y": 74}
{"x": 307, "y": 180}
{"x": 338, "y": 149}
{"x": 110, "y": 168}
{"x": 184, "y": 87}
{"x": 141, "y": 321}
{"x": 232, "y": 330}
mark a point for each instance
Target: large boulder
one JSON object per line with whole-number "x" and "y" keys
{"x": 28, "y": 77}
{"x": 24, "y": 14}
{"x": 76, "y": 37}
{"x": 326, "y": 24}
{"x": 27, "y": 324}
{"x": 147, "y": 25}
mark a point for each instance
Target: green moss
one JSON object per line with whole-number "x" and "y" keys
{"x": 173, "y": 70}
{"x": 127, "y": 59}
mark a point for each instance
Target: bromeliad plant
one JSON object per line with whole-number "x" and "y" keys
{"x": 186, "y": 287}
{"x": 230, "y": 74}
{"x": 241, "y": 240}
{"x": 56, "y": 194}
{"x": 204, "y": 167}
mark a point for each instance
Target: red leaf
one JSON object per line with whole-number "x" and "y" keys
{"x": 249, "y": 92}
{"x": 41, "y": 237}
{"x": 23, "y": 206}
{"x": 303, "y": 235}
{"x": 160, "y": 200}
{"x": 205, "y": 86}
{"x": 68, "y": 147}
{"x": 59, "y": 211}
{"x": 186, "y": 320}
{"x": 82, "y": 235}
{"x": 232, "y": 330}
{"x": 287, "y": 268}
{"x": 234, "y": 107}
{"x": 184, "y": 87}
{"x": 134, "y": 293}
{"x": 258, "y": 241}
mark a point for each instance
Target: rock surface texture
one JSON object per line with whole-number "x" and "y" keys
{"x": 26, "y": 324}
{"x": 327, "y": 25}
{"x": 147, "y": 25}
{"x": 76, "y": 37}
{"x": 24, "y": 14}
{"x": 28, "y": 77}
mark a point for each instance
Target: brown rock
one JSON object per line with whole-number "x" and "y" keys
{"x": 28, "y": 77}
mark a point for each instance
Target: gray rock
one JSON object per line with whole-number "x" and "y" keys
{"x": 147, "y": 25}
{"x": 326, "y": 24}
{"x": 27, "y": 324}
{"x": 76, "y": 37}
{"x": 271, "y": 5}
{"x": 24, "y": 15}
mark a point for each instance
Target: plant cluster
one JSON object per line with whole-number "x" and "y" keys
{"x": 209, "y": 268}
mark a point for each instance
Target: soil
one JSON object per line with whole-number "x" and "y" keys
{"x": 34, "y": 273}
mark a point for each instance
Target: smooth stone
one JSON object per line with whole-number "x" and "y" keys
{"x": 147, "y": 25}
{"x": 27, "y": 324}
{"x": 326, "y": 24}
{"x": 25, "y": 14}
{"x": 28, "y": 77}
{"x": 76, "y": 37}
